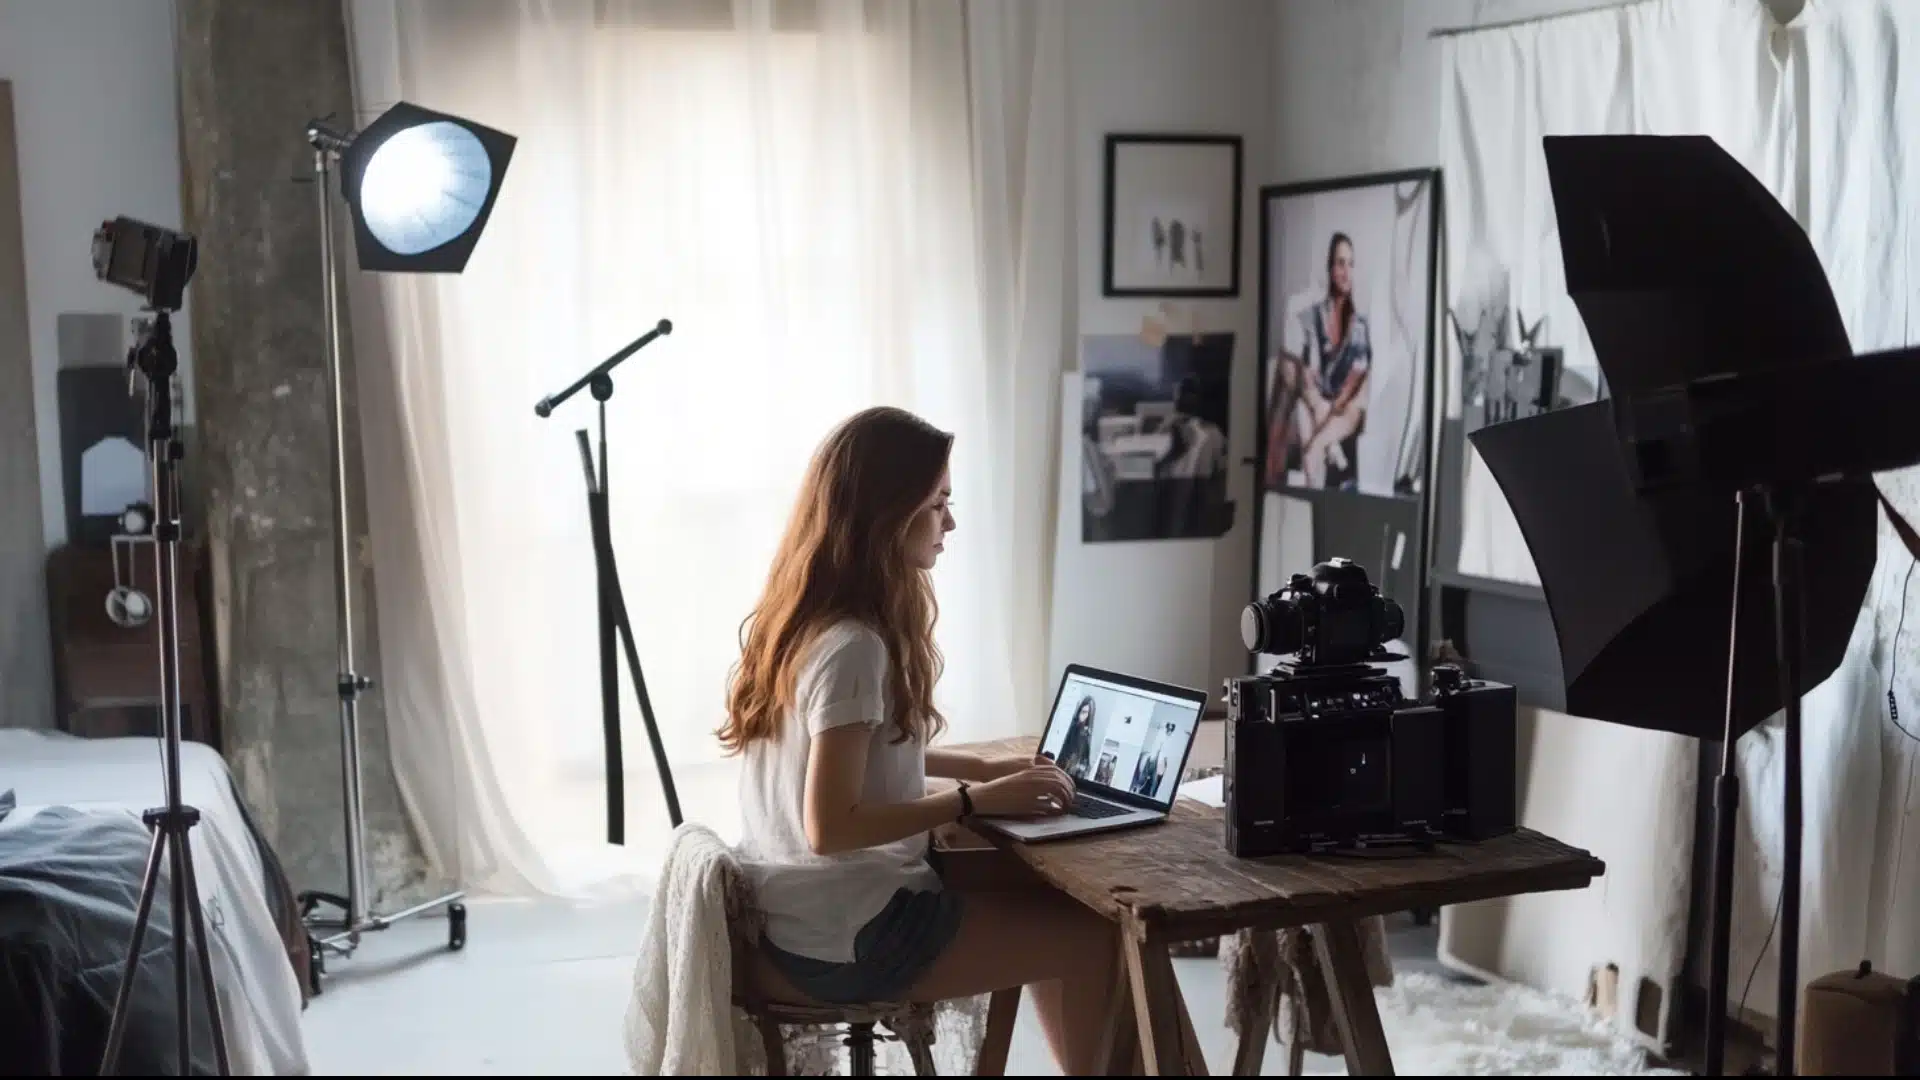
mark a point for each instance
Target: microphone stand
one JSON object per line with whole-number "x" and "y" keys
{"x": 614, "y": 619}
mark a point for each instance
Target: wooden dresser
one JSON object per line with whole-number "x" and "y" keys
{"x": 107, "y": 677}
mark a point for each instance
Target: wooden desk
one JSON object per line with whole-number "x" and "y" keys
{"x": 1177, "y": 882}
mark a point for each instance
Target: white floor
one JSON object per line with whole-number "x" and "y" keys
{"x": 541, "y": 989}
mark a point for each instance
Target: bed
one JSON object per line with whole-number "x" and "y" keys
{"x": 72, "y": 853}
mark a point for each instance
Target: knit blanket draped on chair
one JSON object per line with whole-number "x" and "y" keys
{"x": 683, "y": 984}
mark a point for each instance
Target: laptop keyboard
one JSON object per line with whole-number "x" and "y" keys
{"x": 1094, "y": 808}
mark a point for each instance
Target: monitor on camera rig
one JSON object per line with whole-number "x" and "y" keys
{"x": 155, "y": 262}
{"x": 1325, "y": 752}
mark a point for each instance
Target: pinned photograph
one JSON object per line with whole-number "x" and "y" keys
{"x": 1154, "y": 436}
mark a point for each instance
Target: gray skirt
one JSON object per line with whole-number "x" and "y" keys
{"x": 890, "y": 953}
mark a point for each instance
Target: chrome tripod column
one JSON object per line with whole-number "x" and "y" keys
{"x": 356, "y": 915}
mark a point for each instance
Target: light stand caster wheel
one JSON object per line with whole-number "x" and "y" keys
{"x": 456, "y": 927}
{"x": 316, "y": 965}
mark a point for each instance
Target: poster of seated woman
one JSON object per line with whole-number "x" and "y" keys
{"x": 1346, "y": 304}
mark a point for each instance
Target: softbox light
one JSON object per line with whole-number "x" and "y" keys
{"x": 420, "y": 186}
{"x": 1738, "y": 410}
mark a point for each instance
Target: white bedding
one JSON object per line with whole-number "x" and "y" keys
{"x": 260, "y": 999}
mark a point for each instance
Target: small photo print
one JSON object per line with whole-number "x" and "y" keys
{"x": 1153, "y": 446}
{"x": 1173, "y": 213}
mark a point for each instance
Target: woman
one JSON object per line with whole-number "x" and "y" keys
{"x": 831, "y": 708}
{"x": 1319, "y": 400}
{"x": 1076, "y": 751}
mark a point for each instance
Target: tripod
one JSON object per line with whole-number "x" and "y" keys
{"x": 154, "y": 358}
{"x": 614, "y": 621}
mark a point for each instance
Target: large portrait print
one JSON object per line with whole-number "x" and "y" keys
{"x": 1346, "y": 316}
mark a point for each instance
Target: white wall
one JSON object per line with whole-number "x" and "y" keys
{"x": 1167, "y": 609}
{"x": 98, "y": 131}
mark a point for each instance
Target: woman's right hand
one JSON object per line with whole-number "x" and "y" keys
{"x": 1039, "y": 791}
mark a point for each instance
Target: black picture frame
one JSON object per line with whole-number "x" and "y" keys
{"x": 1117, "y": 146}
{"x": 1412, "y": 587}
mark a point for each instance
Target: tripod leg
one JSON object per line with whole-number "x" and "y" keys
{"x": 609, "y": 668}
{"x": 617, "y": 598}
{"x": 1726, "y": 804}
{"x": 1788, "y": 642}
{"x": 149, "y": 885}
{"x": 646, "y": 704}
{"x": 204, "y": 947}
{"x": 183, "y": 998}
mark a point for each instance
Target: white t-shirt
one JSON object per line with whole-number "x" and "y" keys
{"x": 815, "y": 904}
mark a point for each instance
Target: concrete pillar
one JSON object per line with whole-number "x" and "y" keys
{"x": 252, "y": 75}
{"x": 26, "y": 660}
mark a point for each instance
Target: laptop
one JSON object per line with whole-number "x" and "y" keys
{"x": 1124, "y": 741}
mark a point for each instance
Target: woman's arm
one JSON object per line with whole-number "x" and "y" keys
{"x": 836, "y": 818}
{"x": 970, "y": 766}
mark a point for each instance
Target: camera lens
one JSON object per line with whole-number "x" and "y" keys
{"x": 1272, "y": 625}
{"x": 1393, "y": 620}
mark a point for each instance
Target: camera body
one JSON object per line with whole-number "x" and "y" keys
{"x": 147, "y": 259}
{"x": 1329, "y": 753}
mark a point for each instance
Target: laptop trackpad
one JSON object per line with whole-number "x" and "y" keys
{"x": 1073, "y": 825}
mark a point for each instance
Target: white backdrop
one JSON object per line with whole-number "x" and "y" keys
{"x": 867, "y": 207}
{"x": 1818, "y": 110}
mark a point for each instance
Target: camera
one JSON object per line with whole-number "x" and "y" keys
{"x": 1326, "y": 752}
{"x": 1332, "y": 616}
{"x": 155, "y": 262}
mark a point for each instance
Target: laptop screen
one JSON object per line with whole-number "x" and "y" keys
{"x": 1121, "y": 737}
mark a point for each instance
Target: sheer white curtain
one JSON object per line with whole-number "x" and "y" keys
{"x": 798, "y": 187}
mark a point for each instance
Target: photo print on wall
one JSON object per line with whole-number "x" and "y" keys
{"x": 1154, "y": 436}
{"x": 1346, "y": 315}
{"x": 1172, "y": 215}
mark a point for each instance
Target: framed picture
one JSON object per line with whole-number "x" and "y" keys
{"x": 1344, "y": 442}
{"x": 1347, "y": 271}
{"x": 1172, "y": 215}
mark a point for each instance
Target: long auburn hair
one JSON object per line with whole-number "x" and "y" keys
{"x": 844, "y": 556}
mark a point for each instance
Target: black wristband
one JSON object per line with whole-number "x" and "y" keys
{"x": 966, "y": 803}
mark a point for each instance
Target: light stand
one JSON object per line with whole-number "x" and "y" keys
{"x": 1737, "y": 400}
{"x": 612, "y": 601}
{"x": 154, "y": 358}
{"x": 355, "y": 915}
{"x": 1789, "y": 651}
